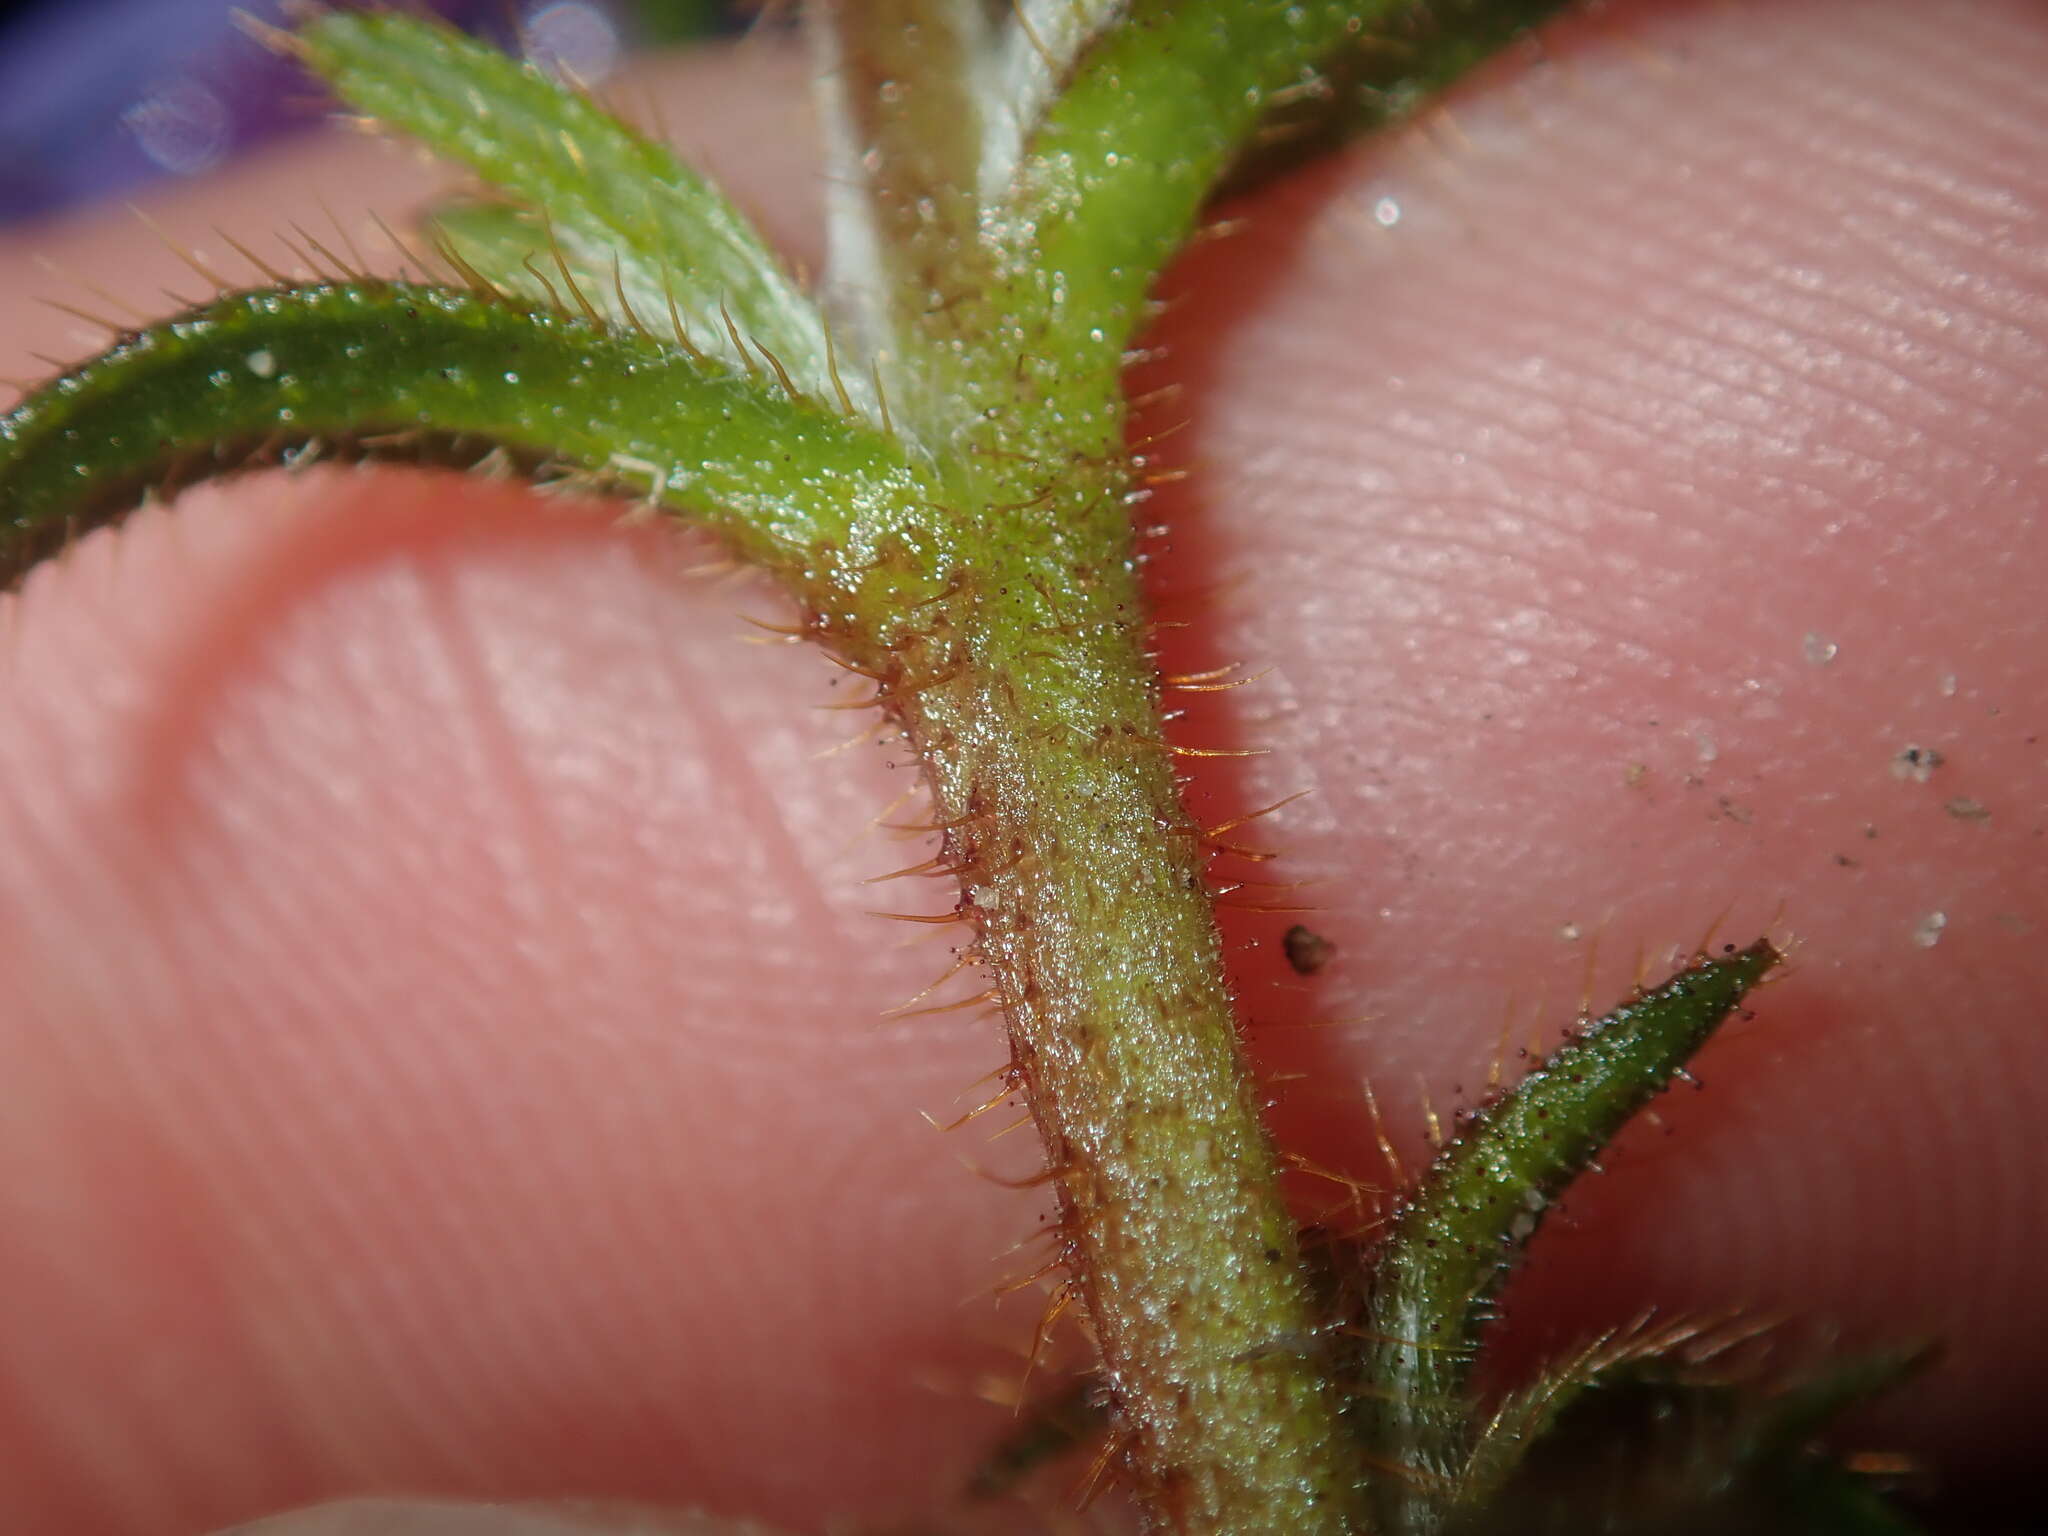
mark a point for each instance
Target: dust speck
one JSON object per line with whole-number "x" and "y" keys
{"x": 1963, "y": 808}
{"x": 1948, "y": 685}
{"x": 1915, "y": 764}
{"x": 1307, "y": 951}
{"x": 1927, "y": 932}
{"x": 1569, "y": 932}
{"x": 262, "y": 362}
{"x": 1818, "y": 649}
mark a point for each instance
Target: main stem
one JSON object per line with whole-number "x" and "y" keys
{"x": 1024, "y": 680}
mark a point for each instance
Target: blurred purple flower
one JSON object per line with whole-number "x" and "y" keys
{"x": 101, "y": 97}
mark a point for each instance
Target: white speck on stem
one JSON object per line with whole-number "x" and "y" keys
{"x": 262, "y": 363}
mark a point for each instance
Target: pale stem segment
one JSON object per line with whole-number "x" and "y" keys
{"x": 900, "y": 87}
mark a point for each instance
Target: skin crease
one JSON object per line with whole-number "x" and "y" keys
{"x": 442, "y": 1048}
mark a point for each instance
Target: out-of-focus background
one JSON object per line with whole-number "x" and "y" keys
{"x": 101, "y": 97}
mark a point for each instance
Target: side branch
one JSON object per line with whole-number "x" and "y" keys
{"x": 781, "y": 478}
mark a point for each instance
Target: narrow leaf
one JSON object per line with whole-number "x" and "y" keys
{"x": 604, "y": 189}
{"x": 1385, "y": 75}
{"x": 1656, "y": 1445}
{"x": 368, "y": 365}
{"x": 1045, "y": 1431}
{"x": 516, "y": 251}
{"x": 1452, "y": 1245}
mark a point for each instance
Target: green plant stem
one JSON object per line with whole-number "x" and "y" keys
{"x": 1094, "y": 920}
{"x": 1024, "y": 682}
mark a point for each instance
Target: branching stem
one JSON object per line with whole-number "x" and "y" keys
{"x": 972, "y": 553}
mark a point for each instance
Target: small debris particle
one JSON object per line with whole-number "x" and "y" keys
{"x": 262, "y": 363}
{"x": 1963, "y": 808}
{"x": 1634, "y": 774}
{"x": 1741, "y": 815}
{"x": 1307, "y": 950}
{"x": 1845, "y": 861}
{"x": 1818, "y": 649}
{"x": 1915, "y": 764}
{"x": 1569, "y": 932}
{"x": 1948, "y": 685}
{"x": 1927, "y": 932}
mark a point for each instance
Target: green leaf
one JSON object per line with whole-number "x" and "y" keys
{"x": 368, "y": 365}
{"x": 606, "y": 191}
{"x": 1045, "y": 1431}
{"x": 1399, "y": 64}
{"x": 501, "y": 246}
{"x": 1388, "y": 73}
{"x": 1451, "y": 1246}
{"x": 1650, "y": 1441}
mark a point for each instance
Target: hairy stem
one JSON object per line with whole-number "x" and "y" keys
{"x": 1023, "y": 679}
{"x": 1095, "y": 924}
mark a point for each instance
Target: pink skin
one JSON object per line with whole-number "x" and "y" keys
{"x": 443, "y": 1051}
